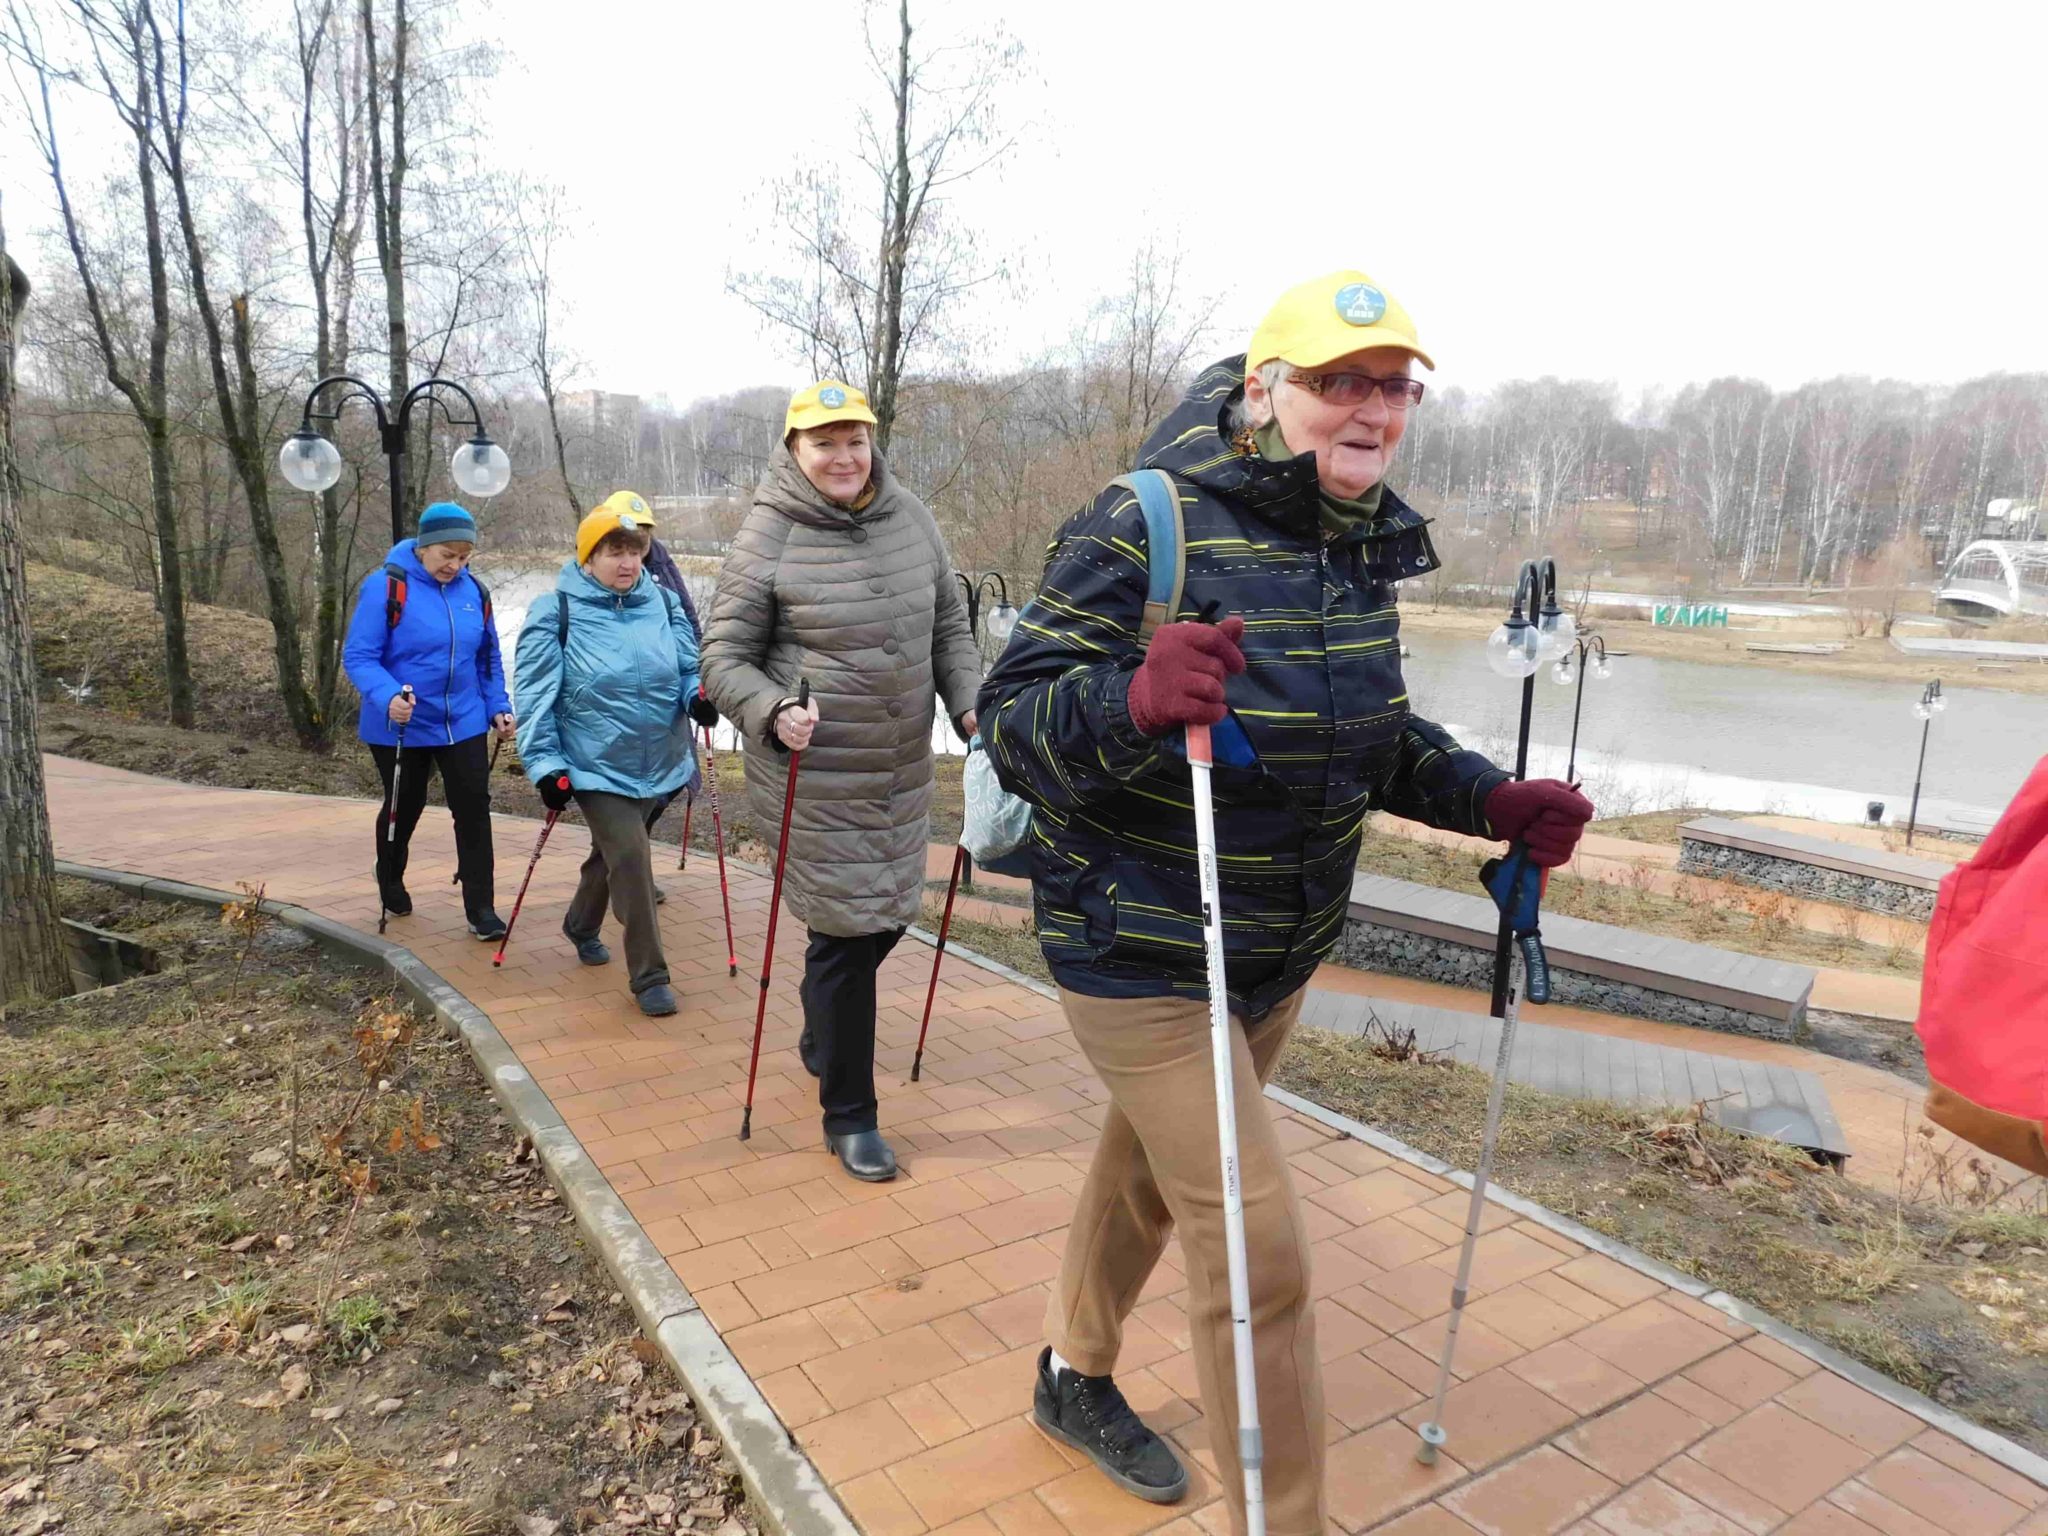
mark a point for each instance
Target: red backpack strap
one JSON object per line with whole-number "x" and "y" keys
{"x": 394, "y": 593}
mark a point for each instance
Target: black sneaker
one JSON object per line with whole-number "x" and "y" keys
{"x": 487, "y": 925}
{"x": 397, "y": 900}
{"x": 1091, "y": 1415}
{"x": 590, "y": 951}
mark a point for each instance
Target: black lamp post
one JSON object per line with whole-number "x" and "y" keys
{"x": 1002, "y": 618}
{"x": 1587, "y": 653}
{"x": 312, "y": 463}
{"x": 1931, "y": 704}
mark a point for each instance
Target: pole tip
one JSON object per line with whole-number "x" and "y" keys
{"x": 732, "y": 968}
{"x": 916, "y": 1066}
{"x": 1432, "y": 1438}
{"x": 747, "y": 1124}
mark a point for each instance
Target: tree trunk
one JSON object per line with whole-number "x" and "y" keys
{"x": 32, "y": 962}
{"x": 387, "y": 198}
{"x": 885, "y": 380}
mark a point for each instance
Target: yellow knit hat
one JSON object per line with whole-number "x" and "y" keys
{"x": 621, "y": 509}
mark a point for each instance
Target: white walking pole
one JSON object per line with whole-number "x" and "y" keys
{"x": 1251, "y": 1453}
{"x": 1432, "y": 1431}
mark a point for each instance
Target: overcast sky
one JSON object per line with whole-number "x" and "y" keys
{"x": 1649, "y": 193}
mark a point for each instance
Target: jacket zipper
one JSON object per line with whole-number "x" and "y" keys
{"x": 448, "y": 689}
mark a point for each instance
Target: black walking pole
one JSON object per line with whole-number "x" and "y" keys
{"x": 391, "y": 802}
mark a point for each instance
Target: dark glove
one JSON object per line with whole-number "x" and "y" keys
{"x": 703, "y": 711}
{"x": 1545, "y": 816}
{"x": 1181, "y": 680}
{"x": 554, "y": 792}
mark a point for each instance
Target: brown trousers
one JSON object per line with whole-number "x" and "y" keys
{"x": 1157, "y": 1167}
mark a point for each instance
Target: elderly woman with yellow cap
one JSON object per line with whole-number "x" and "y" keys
{"x": 838, "y": 576}
{"x": 606, "y": 679}
{"x": 1292, "y": 539}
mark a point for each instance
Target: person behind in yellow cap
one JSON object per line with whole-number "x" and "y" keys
{"x": 838, "y": 575}
{"x": 1278, "y": 458}
{"x": 606, "y": 676}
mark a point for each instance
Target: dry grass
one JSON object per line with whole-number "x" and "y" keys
{"x": 272, "y": 1262}
{"x": 1947, "y": 1295}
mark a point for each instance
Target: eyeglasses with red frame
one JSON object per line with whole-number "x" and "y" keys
{"x": 1399, "y": 392}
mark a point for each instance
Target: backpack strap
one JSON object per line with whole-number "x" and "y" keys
{"x": 562, "y": 620}
{"x": 485, "y": 593}
{"x": 1166, "y": 579}
{"x": 1166, "y": 559}
{"x": 394, "y": 593}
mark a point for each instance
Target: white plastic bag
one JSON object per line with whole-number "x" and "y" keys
{"x": 994, "y": 822}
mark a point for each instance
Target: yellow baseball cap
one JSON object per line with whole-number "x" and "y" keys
{"x": 1329, "y": 317}
{"x": 825, "y": 402}
{"x": 621, "y": 509}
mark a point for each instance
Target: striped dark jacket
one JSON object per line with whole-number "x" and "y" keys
{"x": 1113, "y": 841}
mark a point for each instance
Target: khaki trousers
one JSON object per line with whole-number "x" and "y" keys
{"x": 1157, "y": 1167}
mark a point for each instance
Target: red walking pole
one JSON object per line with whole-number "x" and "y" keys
{"x": 538, "y": 843}
{"x": 803, "y": 701}
{"x": 732, "y": 954}
{"x": 945, "y": 927}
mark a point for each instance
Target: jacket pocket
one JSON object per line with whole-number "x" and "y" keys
{"x": 1156, "y": 918}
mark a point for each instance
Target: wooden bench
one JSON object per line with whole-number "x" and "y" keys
{"x": 1438, "y": 935}
{"x": 1817, "y": 868}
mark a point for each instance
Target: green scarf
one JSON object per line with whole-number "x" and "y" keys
{"x": 1338, "y": 516}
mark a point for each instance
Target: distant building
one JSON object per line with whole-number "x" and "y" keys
{"x": 601, "y": 414}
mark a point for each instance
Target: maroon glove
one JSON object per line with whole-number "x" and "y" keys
{"x": 1544, "y": 815}
{"x": 1181, "y": 680}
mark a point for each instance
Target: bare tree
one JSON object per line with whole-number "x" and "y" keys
{"x": 32, "y": 961}
{"x": 871, "y": 286}
{"x": 241, "y": 417}
{"x": 541, "y": 217}
{"x": 120, "y": 62}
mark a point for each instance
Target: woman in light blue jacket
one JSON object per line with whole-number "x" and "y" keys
{"x": 606, "y": 677}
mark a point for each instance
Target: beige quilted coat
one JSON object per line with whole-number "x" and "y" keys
{"x": 865, "y": 605}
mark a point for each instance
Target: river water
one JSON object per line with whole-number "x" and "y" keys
{"x": 1660, "y": 733}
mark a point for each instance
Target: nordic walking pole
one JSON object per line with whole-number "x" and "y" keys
{"x": 803, "y": 701}
{"x": 538, "y": 843}
{"x": 938, "y": 954}
{"x": 391, "y": 805}
{"x": 397, "y": 766}
{"x": 732, "y": 954}
{"x": 1251, "y": 1453}
{"x": 1506, "y": 1000}
{"x": 689, "y": 809}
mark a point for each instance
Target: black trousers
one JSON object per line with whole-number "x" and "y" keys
{"x": 839, "y": 1012}
{"x": 465, "y": 770}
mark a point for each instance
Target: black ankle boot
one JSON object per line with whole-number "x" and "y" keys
{"x": 1090, "y": 1414}
{"x": 864, "y": 1155}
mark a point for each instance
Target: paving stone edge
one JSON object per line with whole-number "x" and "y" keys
{"x": 784, "y": 1487}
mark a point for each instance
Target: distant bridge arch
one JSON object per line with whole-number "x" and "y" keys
{"x": 1997, "y": 577}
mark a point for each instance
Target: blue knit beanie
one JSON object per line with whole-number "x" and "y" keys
{"x": 446, "y": 523}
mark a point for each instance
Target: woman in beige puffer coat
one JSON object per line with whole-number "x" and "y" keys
{"x": 839, "y": 577}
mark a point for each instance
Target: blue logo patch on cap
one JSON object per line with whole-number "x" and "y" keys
{"x": 638, "y": 505}
{"x": 1361, "y": 304}
{"x": 628, "y": 522}
{"x": 832, "y": 397}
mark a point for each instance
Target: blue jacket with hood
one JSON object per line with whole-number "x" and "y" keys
{"x": 608, "y": 706}
{"x": 441, "y": 644}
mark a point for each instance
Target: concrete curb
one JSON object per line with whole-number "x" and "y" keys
{"x": 2008, "y": 1454}
{"x": 786, "y": 1490}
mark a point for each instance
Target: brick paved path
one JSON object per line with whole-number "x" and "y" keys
{"x": 893, "y": 1326}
